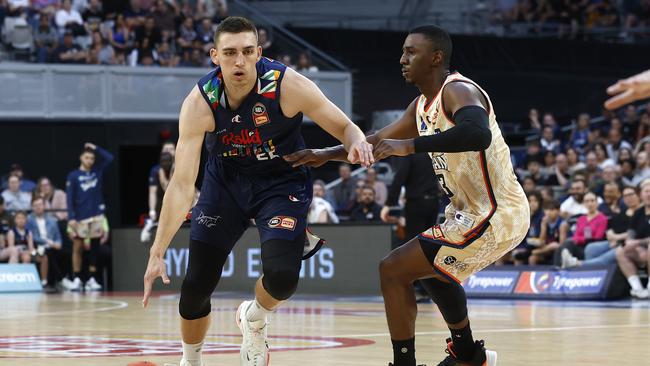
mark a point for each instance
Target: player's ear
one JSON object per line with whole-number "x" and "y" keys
{"x": 259, "y": 52}
{"x": 214, "y": 56}
{"x": 437, "y": 58}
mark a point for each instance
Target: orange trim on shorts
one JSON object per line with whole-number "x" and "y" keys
{"x": 445, "y": 273}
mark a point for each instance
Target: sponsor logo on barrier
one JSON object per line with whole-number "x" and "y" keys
{"x": 561, "y": 282}
{"x": 495, "y": 282}
{"x": 19, "y": 277}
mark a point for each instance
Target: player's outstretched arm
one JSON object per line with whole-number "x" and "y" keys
{"x": 403, "y": 128}
{"x": 463, "y": 101}
{"x": 195, "y": 119}
{"x": 629, "y": 90}
{"x": 302, "y": 95}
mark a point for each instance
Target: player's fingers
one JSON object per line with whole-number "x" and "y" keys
{"x": 164, "y": 276}
{"x": 618, "y": 87}
{"x": 294, "y": 156}
{"x": 352, "y": 157}
{"x": 620, "y": 100}
{"x": 362, "y": 155}
{"x": 147, "y": 292}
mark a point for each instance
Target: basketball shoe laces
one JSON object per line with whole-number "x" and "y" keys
{"x": 257, "y": 345}
{"x": 451, "y": 360}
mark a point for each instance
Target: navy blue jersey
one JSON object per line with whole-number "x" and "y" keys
{"x": 21, "y": 239}
{"x": 254, "y": 136}
{"x": 85, "y": 189}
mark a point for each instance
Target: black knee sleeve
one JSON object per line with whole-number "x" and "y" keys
{"x": 203, "y": 273}
{"x": 449, "y": 297}
{"x": 281, "y": 261}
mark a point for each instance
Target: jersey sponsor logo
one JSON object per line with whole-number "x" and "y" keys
{"x": 260, "y": 116}
{"x": 449, "y": 260}
{"x": 87, "y": 182}
{"x": 282, "y": 222}
{"x": 243, "y": 138}
{"x": 265, "y": 151}
{"x": 236, "y": 119}
{"x": 207, "y": 221}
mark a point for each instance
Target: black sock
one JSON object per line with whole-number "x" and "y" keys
{"x": 404, "y": 352}
{"x": 463, "y": 343}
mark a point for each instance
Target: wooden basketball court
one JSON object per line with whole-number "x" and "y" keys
{"x": 113, "y": 329}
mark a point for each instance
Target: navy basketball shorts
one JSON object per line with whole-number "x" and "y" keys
{"x": 279, "y": 204}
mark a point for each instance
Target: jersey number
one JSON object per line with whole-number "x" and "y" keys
{"x": 441, "y": 180}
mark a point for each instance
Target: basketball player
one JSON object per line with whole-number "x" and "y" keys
{"x": 626, "y": 91}
{"x": 249, "y": 109}
{"x": 488, "y": 214}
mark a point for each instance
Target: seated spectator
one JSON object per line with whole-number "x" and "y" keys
{"x": 628, "y": 168}
{"x": 186, "y": 34}
{"x": 573, "y": 159}
{"x": 18, "y": 7}
{"x": 549, "y": 164}
{"x": 551, "y": 234}
{"x": 615, "y": 143}
{"x": 286, "y": 60}
{"x": 120, "y": 36}
{"x": 602, "y": 156}
{"x": 166, "y": 58}
{"x": 54, "y": 199}
{"x": 529, "y": 185}
{"x": 611, "y": 204}
{"x": 68, "y": 52}
{"x": 381, "y": 191}
{"x": 609, "y": 175}
{"x": 321, "y": 211}
{"x": 163, "y": 16}
{"x": 45, "y": 39}
{"x": 558, "y": 175}
{"x": 266, "y": 42}
{"x": 7, "y": 253}
{"x": 150, "y": 32}
{"x": 216, "y": 10}
{"x": 21, "y": 237}
{"x": 93, "y": 15}
{"x": 535, "y": 171}
{"x": 574, "y": 205}
{"x": 343, "y": 193}
{"x": 548, "y": 140}
{"x": 69, "y": 20}
{"x": 522, "y": 252}
{"x": 304, "y": 63}
{"x": 26, "y": 184}
{"x": 644, "y": 126}
{"x": 624, "y": 154}
{"x": 47, "y": 240}
{"x": 580, "y": 134}
{"x": 205, "y": 33}
{"x": 592, "y": 171}
{"x": 533, "y": 120}
{"x": 367, "y": 209}
{"x": 14, "y": 198}
{"x": 100, "y": 52}
{"x": 48, "y": 7}
{"x": 642, "y": 171}
{"x": 634, "y": 254}
{"x": 604, "y": 252}
{"x": 590, "y": 227}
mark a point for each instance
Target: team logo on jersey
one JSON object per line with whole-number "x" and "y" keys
{"x": 282, "y": 222}
{"x": 243, "y": 138}
{"x": 260, "y": 116}
{"x": 449, "y": 260}
{"x": 236, "y": 119}
{"x": 423, "y": 126}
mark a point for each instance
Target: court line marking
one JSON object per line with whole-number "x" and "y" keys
{"x": 509, "y": 330}
{"x": 116, "y": 306}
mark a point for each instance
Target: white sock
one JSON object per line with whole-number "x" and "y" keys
{"x": 256, "y": 312}
{"x": 635, "y": 282}
{"x": 192, "y": 353}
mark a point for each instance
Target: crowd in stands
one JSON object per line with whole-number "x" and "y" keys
{"x": 164, "y": 33}
{"x": 575, "y": 18}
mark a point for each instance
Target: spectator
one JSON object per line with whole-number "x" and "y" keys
{"x": 535, "y": 171}
{"x": 573, "y": 205}
{"x": 158, "y": 184}
{"x": 150, "y": 32}
{"x": 533, "y": 120}
{"x": 644, "y": 126}
{"x": 265, "y": 41}
{"x": 14, "y": 198}
{"x": 603, "y": 14}
{"x": 549, "y": 165}
{"x": 47, "y": 239}
{"x": 165, "y": 57}
{"x": 68, "y": 52}
{"x": 628, "y": 168}
{"x": 604, "y": 252}
{"x": 216, "y": 10}
{"x": 48, "y": 7}
{"x": 367, "y": 209}
{"x": 286, "y": 59}
{"x": 592, "y": 171}
{"x": 86, "y": 212}
{"x": 18, "y": 7}
{"x": 343, "y": 193}
{"x": 6, "y": 222}
{"x": 602, "y": 156}
{"x": 100, "y": 52}
{"x": 186, "y": 34}
{"x": 548, "y": 140}
{"x": 120, "y": 36}
{"x": 522, "y": 252}
{"x": 549, "y": 120}
{"x": 580, "y": 134}
{"x": 642, "y": 171}
{"x": 163, "y": 16}
{"x": 529, "y": 185}
{"x": 45, "y": 39}
{"x": 93, "y": 16}
{"x": 589, "y": 227}
{"x": 54, "y": 199}
{"x": 624, "y": 154}
{"x": 26, "y": 185}
{"x": 615, "y": 143}
{"x": 573, "y": 159}
{"x": 21, "y": 237}
{"x": 321, "y": 211}
{"x": 304, "y": 63}
{"x": 205, "y": 34}
{"x": 381, "y": 191}
{"x": 68, "y": 19}
{"x": 550, "y": 236}
{"x": 559, "y": 173}
{"x": 634, "y": 254}
{"x": 611, "y": 205}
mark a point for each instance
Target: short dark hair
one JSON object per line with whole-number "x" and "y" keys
{"x": 439, "y": 38}
{"x": 87, "y": 150}
{"x": 234, "y": 25}
{"x": 551, "y": 205}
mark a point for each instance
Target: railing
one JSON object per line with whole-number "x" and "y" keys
{"x": 84, "y": 93}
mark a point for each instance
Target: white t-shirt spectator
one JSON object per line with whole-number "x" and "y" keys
{"x": 318, "y": 206}
{"x": 63, "y": 17}
{"x": 574, "y": 208}
{"x": 612, "y": 151}
{"x": 17, "y": 201}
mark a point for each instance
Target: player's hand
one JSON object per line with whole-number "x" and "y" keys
{"x": 629, "y": 90}
{"x": 361, "y": 153}
{"x": 155, "y": 268}
{"x": 390, "y": 147}
{"x": 90, "y": 145}
{"x": 631, "y": 242}
{"x": 308, "y": 157}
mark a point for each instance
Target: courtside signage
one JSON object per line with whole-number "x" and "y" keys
{"x": 19, "y": 278}
{"x": 491, "y": 282}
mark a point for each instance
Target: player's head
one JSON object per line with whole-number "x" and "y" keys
{"x": 426, "y": 48}
{"x": 551, "y": 209}
{"x": 87, "y": 158}
{"x": 236, "y": 50}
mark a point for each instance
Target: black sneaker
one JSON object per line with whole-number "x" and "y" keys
{"x": 482, "y": 357}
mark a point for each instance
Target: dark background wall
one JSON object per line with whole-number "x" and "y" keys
{"x": 561, "y": 76}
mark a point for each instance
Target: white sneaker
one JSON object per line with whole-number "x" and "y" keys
{"x": 74, "y": 285}
{"x": 92, "y": 285}
{"x": 255, "y": 347}
{"x": 640, "y": 294}
{"x": 568, "y": 260}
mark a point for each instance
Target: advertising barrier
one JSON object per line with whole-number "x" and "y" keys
{"x": 19, "y": 278}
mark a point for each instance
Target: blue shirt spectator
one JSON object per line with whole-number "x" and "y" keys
{"x": 84, "y": 185}
{"x": 43, "y": 226}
